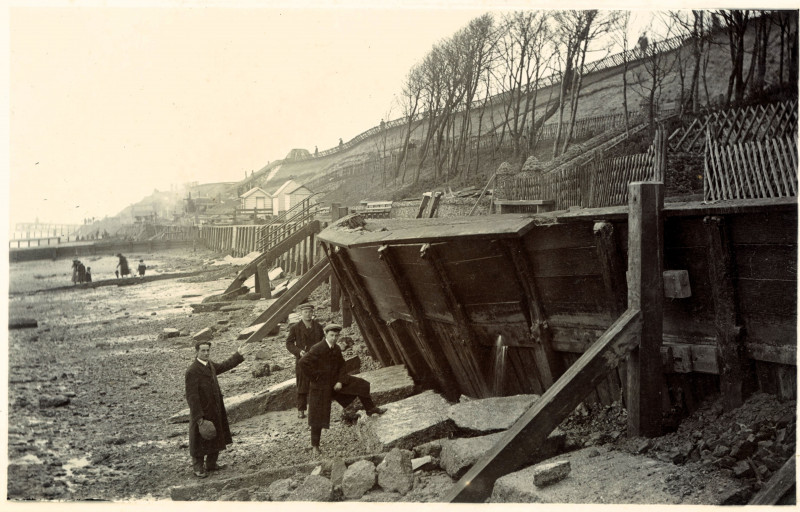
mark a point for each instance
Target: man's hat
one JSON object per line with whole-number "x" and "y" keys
{"x": 301, "y": 307}
{"x": 207, "y": 430}
{"x": 332, "y": 327}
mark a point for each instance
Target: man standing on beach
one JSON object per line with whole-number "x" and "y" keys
{"x": 324, "y": 365}
{"x": 209, "y": 432}
{"x": 302, "y": 336}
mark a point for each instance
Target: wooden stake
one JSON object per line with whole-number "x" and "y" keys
{"x": 646, "y": 292}
{"x": 730, "y": 350}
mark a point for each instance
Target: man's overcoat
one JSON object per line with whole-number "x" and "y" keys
{"x": 205, "y": 401}
{"x": 325, "y": 367}
{"x": 300, "y": 338}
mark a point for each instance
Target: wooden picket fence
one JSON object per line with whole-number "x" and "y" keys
{"x": 737, "y": 125}
{"x": 754, "y": 169}
{"x": 597, "y": 183}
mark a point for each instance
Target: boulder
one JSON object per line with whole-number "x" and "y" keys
{"x": 395, "y": 473}
{"x": 357, "y": 479}
{"x": 548, "y": 473}
{"x": 281, "y": 490}
{"x": 138, "y": 382}
{"x": 169, "y": 332}
{"x": 313, "y": 488}
{"x": 425, "y": 463}
{"x": 406, "y": 423}
{"x": 490, "y": 414}
{"x": 338, "y": 467}
{"x": 239, "y": 495}
{"x": 261, "y": 370}
{"x": 48, "y": 401}
{"x": 458, "y": 455}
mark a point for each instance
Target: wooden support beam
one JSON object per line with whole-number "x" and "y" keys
{"x": 548, "y": 363}
{"x": 336, "y": 294}
{"x": 779, "y": 485}
{"x": 646, "y": 293}
{"x": 524, "y": 439}
{"x": 455, "y": 306}
{"x": 347, "y": 312}
{"x": 729, "y": 340}
{"x": 262, "y": 280}
{"x": 292, "y": 298}
{"x": 353, "y": 287}
{"x": 415, "y": 358}
{"x": 424, "y": 204}
{"x": 612, "y": 268}
{"x": 435, "y": 205}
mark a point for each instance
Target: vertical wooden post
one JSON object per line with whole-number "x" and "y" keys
{"x": 646, "y": 293}
{"x": 347, "y": 312}
{"x": 721, "y": 277}
{"x": 262, "y": 280}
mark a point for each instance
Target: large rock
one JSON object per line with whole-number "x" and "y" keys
{"x": 338, "y": 467}
{"x": 358, "y": 478}
{"x": 548, "y": 473}
{"x": 490, "y": 414}
{"x": 48, "y": 401}
{"x": 458, "y": 455}
{"x": 395, "y": 473}
{"x": 313, "y": 488}
{"x": 388, "y": 384}
{"x": 406, "y": 423}
{"x": 281, "y": 490}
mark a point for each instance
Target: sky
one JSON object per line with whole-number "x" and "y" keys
{"x": 109, "y": 101}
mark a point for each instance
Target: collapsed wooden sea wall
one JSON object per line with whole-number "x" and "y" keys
{"x": 503, "y": 304}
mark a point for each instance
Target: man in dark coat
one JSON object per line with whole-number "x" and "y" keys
{"x": 324, "y": 365}
{"x": 302, "y": 336}
{"x": 205, "y": 405}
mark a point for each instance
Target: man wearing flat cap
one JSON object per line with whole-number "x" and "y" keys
{"x": 209, "y": 432}
{"x": 302, "y": 336}
{"x": 324, "y": 365}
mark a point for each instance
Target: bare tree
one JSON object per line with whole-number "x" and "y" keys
{"x": 736, "y": 22}
{"x": 522, "y": 61}
{"x": 410, "y": 103}
{"x": 620, "y": 35}
{"x": 650, "y": 76}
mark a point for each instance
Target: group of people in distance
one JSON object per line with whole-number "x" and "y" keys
{"x": 81, "y": 273}
{"x": 320, "y": 375}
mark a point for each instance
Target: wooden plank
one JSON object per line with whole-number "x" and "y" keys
{"x": 262, "y": 280}
{"x": 435, "y": 205}
{"x": 454, "y": 304}
{"x": 366, "y": 322}
{"x": 721, "y": 277}
{"x": 423, "y": 204}
{"x": 612, "y": 268}
{"x": 286, "y": 303}
{"x": 524, "y": 439}
{"x": 411, "y": 354}
{"x": 547, "y": 363}
{"x": 646, "y": 291}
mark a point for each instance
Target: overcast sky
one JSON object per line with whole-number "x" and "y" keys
{"x": 109, "y": 103}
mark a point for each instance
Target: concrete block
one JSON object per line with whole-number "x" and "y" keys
{"x": 458, "y": 455}
{"x": 406, "y": 423}
{"x": 548, "y": 473}
{"x": 490, "y": 414}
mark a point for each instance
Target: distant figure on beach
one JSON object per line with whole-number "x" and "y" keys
{"x": 88, "y": 274}
{"x": 122, "y": 266}
{"x": 141, "y": 268}
{"x": 81, "y": 272}
{"x": 74, "y": 271}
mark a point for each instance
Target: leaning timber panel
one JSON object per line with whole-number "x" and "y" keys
{"x": 573, "y": 293}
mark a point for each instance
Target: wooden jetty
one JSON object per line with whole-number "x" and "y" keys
{"x": 658, "y": 305}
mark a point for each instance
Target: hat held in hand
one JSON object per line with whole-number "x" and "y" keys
{"x": 207, "y": 430}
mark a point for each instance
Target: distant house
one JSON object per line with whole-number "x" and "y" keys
{"x": 288, "y": 195}
{"x": 256, "y": 198}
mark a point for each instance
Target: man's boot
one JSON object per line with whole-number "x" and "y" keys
{"x": 370, "y": 407}
{"x": 198, "y": 468}
{"x": 211, "y": 462}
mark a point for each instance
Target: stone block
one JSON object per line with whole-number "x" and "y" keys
{"x": 406, "y": 423}
{"x": 358, "y": 478}
{"x": 548, "y": 473}
{"x": 204, "y": 335}
{"x": 395, "y": 473}
{"x": 169, "y": 332}
{"x": 458, "y": 455}
{"x": 490, "y": 414}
